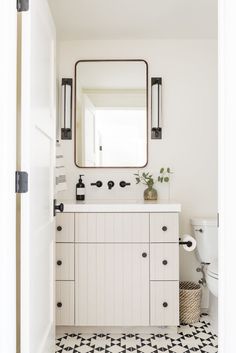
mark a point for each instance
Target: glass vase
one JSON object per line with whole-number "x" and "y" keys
{"x": 150, "y": 194}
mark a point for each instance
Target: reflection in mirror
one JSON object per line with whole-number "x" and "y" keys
{"x": 111, "y": 113}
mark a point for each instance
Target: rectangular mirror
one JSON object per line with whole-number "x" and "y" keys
{"x": 111, "y": 113}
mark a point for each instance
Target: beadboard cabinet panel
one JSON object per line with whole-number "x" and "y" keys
{"x": 65, "y": 227}
{"x": 164, "y": 227}
{"x": 65, "y": 303}
{"x": 164, "y": 261}
{"x": 65, "y": 261}
{"x": 125, "y": 268}
{"x": 112, "y": 284}
{"x": 112, "y": 227}
{"x": 164, "y": 306}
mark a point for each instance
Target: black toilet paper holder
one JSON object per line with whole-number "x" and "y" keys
{"x": 188, "y": 243}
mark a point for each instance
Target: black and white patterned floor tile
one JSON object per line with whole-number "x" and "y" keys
{"x": 190, "y": 338}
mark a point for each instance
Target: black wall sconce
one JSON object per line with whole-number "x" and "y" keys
{"x": 66, "y": 111}
{"x": 156, "y": 86}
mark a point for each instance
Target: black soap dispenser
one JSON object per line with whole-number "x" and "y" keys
{"x": 80, "y": 189}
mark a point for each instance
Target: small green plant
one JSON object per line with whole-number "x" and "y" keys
{"x": 145, "y": 178}
{"x": 164, "y": 176}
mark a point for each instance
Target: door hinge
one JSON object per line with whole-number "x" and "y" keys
{"x": 22, "y": 5}
{"x": 21, "y": 182}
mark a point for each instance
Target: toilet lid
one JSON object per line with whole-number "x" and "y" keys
{"x": 212, "y": 269}
{"x": 204, "y": 222}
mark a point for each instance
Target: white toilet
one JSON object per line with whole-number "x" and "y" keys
{"x": 206, "y": 235}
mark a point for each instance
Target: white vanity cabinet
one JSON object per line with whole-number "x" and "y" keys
{"x": 117, "y": 269}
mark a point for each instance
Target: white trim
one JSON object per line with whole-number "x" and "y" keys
{"x": 7, "y": 175}
{"x": 227, "y": 175}
{"x": 117, "y": 329}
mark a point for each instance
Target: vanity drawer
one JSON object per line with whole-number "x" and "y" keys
{"x": 164, "y": 227}
{"x": 65, "y": 262}
{"x": 112, "y": 227}
{"x": 64, "y": 303}
{"x": 64, "y": 227}
{"x": 164, "y": 301}
{"x": 164, "y": 261}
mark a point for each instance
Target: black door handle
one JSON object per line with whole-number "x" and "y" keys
{"x": 59, "y": 305}
{"x": 56, "y": 207}
{"x": 59, "y": 207}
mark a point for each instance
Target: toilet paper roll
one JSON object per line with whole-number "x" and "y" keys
{"x": 186, "y": 238}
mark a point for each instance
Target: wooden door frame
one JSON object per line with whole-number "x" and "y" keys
{"x": 8, "y": 59}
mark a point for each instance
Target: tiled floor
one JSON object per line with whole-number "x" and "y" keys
{"x": 190, "y": 338}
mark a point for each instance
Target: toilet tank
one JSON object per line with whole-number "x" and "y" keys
{"x": 206, "y": 234}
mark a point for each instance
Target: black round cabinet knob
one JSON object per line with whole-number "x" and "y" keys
{"x": 144, "y": 254}
{"x": 59, "y": 228}
{"x": 164, "y": 228}
{"x": 164, "y": 262}
{"x": 59, "y": 305}
{"x": 59, "y": 262}
{"x": 165, "y": 304}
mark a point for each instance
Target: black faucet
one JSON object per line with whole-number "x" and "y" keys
{"x": 123, "y": 184}
{"x": 98, "y": 183}
{"x": 110, "y": 184}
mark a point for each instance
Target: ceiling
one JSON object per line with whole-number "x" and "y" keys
{"x": 134, "y": 19}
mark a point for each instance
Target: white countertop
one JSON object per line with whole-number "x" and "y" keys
{"x": 120, "y": 206}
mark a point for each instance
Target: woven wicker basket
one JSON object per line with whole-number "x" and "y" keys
{"x": 190, "y": 302}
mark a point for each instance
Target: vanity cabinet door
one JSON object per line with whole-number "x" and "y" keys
{"x": 112, "y": 227}
{"x": 164, "y": 261}
{"x": 65, "y": 262}
{"x": 164, "y": 227}
{"x": 112, "y": 284}
{"x": 164, "y": 306}
{"x": 64, "y": 303}
{"x": 64, "y": 227}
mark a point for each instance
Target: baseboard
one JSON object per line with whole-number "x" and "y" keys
{"x": 116, "y": 329}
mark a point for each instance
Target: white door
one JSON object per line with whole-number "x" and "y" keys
{"x": 8, "y": 22}
{"x": 37, "y": 158}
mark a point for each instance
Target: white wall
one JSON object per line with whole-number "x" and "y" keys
{"x": 189, "y": 144}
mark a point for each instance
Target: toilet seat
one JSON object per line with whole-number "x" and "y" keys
{"x": 212, "y": 269}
